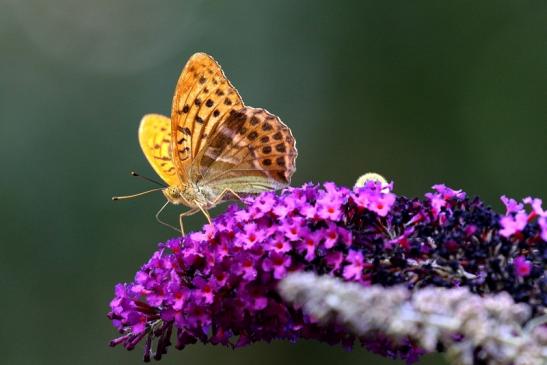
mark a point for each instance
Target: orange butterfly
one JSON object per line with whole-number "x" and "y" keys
{"x": 214, "y": 147}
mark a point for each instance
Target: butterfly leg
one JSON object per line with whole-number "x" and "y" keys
{"x": 203, "y": 210}
{"x": 221, "y": 195}
{"x": 186, "y": 214}
{"x": 205, "y": 213}
{"x": 162, "y": 222}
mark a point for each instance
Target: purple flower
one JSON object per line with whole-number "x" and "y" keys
{"x": 511, "y": 205}
{"x": 308, "y": 244}
{"x": 543, "y": 224}
{"x": 250, "y": 236}
{"x": 278, "y": 243}
{"x": 264, "y": 203}
{"x": 329, "y": 209}
{"x": 448, "y": 193}
{"x": 283, "y": 210}
{"x": 292, "y": 229}
{"x": 331, "y": 235}
{"x": 245, "y": 266}
{"x": 522, "y": 266}
{"x": 219, "y": 285}
{"x": 355, "y": 266}
{"x": 535, "y": 203}
{"x": 333, "y": 260}
{"x": 374, "y": 198}
{"x": 513, "y": 224}
{"x": 516, "y": 218}
{"x": 204, "y": 290}
{"x": 278, "y": 263}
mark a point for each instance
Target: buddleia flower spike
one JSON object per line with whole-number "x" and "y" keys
{"x": 472, "y": 329}
{"x": 220, "y": 285}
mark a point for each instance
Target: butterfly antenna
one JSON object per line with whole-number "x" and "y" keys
{"x": 135, "y": 195}
{"x": 164, "y": 223}
{"x": 133, "y": 173}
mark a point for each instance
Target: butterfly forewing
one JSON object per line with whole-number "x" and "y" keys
{"x": 155, "y": 141}
{"x": 203, "y": 99}
{"x": 250, "y": 152}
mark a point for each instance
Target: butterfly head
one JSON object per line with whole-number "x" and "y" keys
{"x": 174, "y": 195}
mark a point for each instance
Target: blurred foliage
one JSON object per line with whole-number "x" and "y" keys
{"x": 422, "y": 92}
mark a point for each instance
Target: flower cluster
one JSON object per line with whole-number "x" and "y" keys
{"x": 472, "y": 329}
{"x": 219, "y": 285}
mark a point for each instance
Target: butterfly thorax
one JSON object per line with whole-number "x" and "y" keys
{"x": 191, "y": 195}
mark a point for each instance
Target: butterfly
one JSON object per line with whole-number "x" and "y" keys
{"x": 215, "y": 148}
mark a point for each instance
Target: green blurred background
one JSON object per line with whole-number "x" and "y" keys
{"x": 422, "y": 92}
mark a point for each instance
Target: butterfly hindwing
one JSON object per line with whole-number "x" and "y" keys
{"x": 155, "y": 141}
{"x": 203, "y": 98}
{"x": 251, "y": 151}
